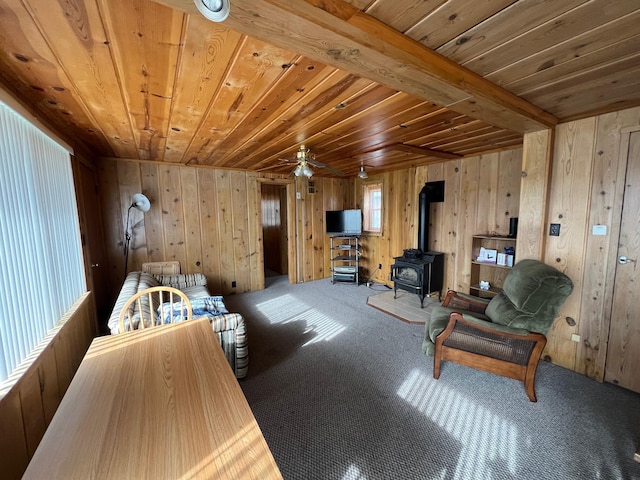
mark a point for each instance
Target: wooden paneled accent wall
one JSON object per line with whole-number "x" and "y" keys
{"x": 210, "y": 220}
{"x": 586, "y": 190}
{"x": 27, "y": 409}
{"x": 481, "y": 195}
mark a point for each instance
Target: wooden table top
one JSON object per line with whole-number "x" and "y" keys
{"x": 158, "y": 403}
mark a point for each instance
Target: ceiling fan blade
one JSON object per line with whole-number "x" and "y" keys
{"x": 315, "y": 163}
{"x": 287, "y": 161}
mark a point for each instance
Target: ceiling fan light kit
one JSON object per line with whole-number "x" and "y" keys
{"x": 214, "y": 10}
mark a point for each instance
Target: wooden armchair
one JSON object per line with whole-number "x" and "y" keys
{"x": 506, "y": 335}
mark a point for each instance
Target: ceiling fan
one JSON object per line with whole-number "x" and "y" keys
{"x": 304, "y": 160}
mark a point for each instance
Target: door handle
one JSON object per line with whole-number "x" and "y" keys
{"x": 622, "y": 260}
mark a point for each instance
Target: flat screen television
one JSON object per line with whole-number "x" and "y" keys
{"x": 343, "y": 222}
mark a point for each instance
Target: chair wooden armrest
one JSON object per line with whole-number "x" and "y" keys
{"x": 455, "y": 299}
{"x": 512, "y": 355}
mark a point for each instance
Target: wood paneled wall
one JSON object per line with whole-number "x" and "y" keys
{"x": 210, "y": 220}
{"x": 585, "y": 191}
{"x": 481, "y": 195}
{"x": 219, "y": 228}
{"x": 27, "y": 409}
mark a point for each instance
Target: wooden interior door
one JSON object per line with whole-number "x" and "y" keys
{"x": 274, "y": 227}
{"x": 623, "y": 353}
{"x": 93, "y": 239}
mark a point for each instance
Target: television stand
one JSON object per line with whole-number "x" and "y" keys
{"x": 345, "y": 259}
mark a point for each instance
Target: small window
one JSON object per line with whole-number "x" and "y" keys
{"x": 372, "y": 211}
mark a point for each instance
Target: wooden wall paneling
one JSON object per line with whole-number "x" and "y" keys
{"x": 451, "y": 221}
{"x": 537, "y": 152}
{"x": 240, "y": 209}
{"x": 508, "y": 200}
{"x": 48, "y": 374}
{"x": 394, "y": 235}
{"x": 14, "y": 456}
{"x": 209, "y": 229}
{"x": 173, "y": 225}
{"x": 27, "y": 408}
{"x": 487, "y": 193}
{"x": 254, "y": 232}
{"x": 569, "y": 206}
{"x": 284, "y": 262}
{"x": 149, "y": 178}
{"x": 62, "y": 352}
{"x": 300, "y": 231}
{"x": 112, "y": 225}
{"x": 318, "y": 233}
{"x": 32, "y": 410}
{"x": 600, "y": 254}
{"x": 470, "y": 208}
{"x": 435, "y": 173}
{"x": 192, "y": 225}
{"x": 292, "y": 246}
{"x": 306, "y": 204}
{"x": 225, "y": 224}
{"x": 130, "y": 184}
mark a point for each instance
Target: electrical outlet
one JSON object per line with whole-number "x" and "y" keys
{"x": 575, "y": 337}
{"x": 379, "y": 266}
{"x": 554, "y": 230}
{"x": 233, "y": 284}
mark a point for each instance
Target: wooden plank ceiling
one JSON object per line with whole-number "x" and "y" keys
{"x": 359, "y": 82}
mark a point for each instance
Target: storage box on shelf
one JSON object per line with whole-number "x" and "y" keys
{"x": 345, "y": 259}
{"x": 486, "y": 268}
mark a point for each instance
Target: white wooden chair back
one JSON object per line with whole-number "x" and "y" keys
{"x": 146, "y": 303}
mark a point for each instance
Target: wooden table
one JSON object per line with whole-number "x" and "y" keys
{"x": 159, "y": 403}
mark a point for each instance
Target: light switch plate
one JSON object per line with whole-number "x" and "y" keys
{"x": 599, "y": 230}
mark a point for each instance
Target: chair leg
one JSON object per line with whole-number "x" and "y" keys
{"x": 437, "y": 359}
{"x": 532, "y": 366}
{"x": 530, "y": 387}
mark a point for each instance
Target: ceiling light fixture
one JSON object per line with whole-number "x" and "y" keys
{"x": 362, "y": 173}
{"x": 214, "y": 10}
{"x": 303, "y": 169}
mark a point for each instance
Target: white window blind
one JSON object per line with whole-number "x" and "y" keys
{"x": 41, "y": 265}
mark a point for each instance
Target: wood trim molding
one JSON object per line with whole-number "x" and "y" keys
{"x": 338, "y": 34}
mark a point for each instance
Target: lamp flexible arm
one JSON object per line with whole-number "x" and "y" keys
{"x": 127, "y": 240}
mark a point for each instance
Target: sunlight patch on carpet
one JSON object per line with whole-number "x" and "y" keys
{"x": 487, "y": 439}
{"x": 286, "y": 308}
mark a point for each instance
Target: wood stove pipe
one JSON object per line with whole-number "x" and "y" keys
{"x": 431, "y": 192}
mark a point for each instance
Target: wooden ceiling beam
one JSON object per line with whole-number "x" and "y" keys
{"x": 338, "y": 34}
{"x": 427, "y": 152}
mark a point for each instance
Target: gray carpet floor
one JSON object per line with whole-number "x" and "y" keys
{"x": 343, "y": 391}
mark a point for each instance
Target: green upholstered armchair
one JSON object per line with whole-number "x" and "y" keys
{"x": 506, "y": 335}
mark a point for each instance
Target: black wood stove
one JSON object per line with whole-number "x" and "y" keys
{"x": 420, "y": 271}
{"x": 422, "y": 275}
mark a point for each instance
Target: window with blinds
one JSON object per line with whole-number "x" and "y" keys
{"x": 41, "y": 263}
